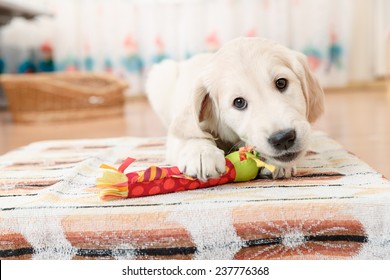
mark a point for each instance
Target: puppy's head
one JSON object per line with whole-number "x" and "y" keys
{"x": 262, "y": 93}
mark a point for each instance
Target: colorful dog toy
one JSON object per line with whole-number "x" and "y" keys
{"x": 242, "y": 165}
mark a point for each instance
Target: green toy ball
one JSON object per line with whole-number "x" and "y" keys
{"x": 247, "y": 164}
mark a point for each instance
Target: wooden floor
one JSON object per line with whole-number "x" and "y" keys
{"x": 358, "y": 118}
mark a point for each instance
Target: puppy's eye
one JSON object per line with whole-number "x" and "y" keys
{"x": 240, "y": 103}
{"x": 281, "y": 84}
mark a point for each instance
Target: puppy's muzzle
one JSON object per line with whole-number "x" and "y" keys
{"x": 283, "y": 139}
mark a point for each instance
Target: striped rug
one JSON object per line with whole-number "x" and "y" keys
{"x": 336, "y": 208}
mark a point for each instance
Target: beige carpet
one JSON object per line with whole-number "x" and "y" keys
{"x": 336, "y": 208}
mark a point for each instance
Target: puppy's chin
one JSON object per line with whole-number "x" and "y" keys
{"x": 285, "y": 159}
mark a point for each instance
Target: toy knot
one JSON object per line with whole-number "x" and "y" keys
{"x": 246, "y": 149}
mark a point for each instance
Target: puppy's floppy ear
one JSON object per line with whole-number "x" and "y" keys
{"x": 207, "y": 108}
{"x": 196, "y": 117}
{"x": 312, "y": 90}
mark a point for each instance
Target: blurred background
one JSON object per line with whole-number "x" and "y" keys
{"x": 345, "y": 40}
{"x": 347, "y": 43}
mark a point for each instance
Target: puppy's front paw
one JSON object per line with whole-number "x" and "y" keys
{"x": 279, "y": 173}
{"x": 202, "y": 160}
{"x": 284, "y": 172}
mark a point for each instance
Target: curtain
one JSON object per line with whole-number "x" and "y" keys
{"x": 344, "y": 40}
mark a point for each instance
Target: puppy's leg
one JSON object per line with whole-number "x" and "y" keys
{"x": 196, "y": 157}
{"x": 160, "y": 88}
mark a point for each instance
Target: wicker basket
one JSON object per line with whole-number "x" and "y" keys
{"x": 62, "y": 96}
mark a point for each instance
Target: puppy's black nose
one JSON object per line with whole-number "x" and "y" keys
{"x": 282, "y": 139}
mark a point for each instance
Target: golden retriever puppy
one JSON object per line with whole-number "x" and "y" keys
{"x": 251, "y": 91}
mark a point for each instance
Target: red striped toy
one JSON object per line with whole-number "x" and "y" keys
{"x": 242, "y": 165}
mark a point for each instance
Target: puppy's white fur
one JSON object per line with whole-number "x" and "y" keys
{"x": 195, "y": 98}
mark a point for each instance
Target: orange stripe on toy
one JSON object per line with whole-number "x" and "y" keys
{"x": 150, "y": 174}
{"x": 159, "y": 173}
{"x": 141, "y": 176}
{"x": 163, "y": 173}
{"x": 153, "y": 173}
